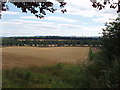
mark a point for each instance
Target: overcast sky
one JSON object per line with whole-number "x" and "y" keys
{"x": 81, "y": 19}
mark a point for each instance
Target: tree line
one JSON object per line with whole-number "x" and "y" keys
{"x": 51, "y": 41}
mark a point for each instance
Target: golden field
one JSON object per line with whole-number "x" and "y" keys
{"x": 40, "y": 56}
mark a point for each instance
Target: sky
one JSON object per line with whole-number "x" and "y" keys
{"x": 81, "y": 19}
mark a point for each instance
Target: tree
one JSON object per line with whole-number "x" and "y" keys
{"x": 9, "y": 42}
{"x": 39, "y": 8}
{"x": 111, "y": 38}
{"x": 100, "y": 5}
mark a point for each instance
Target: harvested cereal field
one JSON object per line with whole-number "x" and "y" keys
{"x": 37, "y": 56}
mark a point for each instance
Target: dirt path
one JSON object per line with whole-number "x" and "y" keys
{"x": 25, "y": 56}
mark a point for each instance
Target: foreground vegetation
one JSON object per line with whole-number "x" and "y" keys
{"x": 99, "y": 73}
{"x": 57, "y": 76}
{"x": 102, "y": 70}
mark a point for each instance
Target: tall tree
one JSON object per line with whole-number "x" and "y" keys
{"x": 111, "y": 38}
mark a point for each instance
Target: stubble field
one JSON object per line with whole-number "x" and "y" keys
{"x": 37, "y": 56}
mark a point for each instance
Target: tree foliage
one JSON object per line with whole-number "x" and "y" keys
{"x": 99, "y": 5}
{"x": 111, "y": 38}
{"x": 50, "y": 41}
{"x": 39, "y": 8}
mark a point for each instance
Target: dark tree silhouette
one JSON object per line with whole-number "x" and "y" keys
{"x": 111, "y": 38}
{"x": 100, "y": 6}
{"x": 46, "y": 41}
{"x": 39, "y": 8}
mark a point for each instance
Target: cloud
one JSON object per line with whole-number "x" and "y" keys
{"x": 80, "y": 30}
{"x": 84, "y": 8}
{"x": 31, "y": 24}
{"x": 29, "y": 17}
{"x": 55, "y": 18}
{"x": 27, "y": 27}
{"x": 12, "y": 23}
{"x": 80, "y": 7}
{"x": 61, "y": 19}
{"x": 9, "y": 12}
{"x": 70, "y": 26}
{"x": 18, "y": 27}
{"x": 106, "y": 16}
{"x": 58, "y": 25}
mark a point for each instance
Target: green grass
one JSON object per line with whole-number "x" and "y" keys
{"x": 91, "y": 54}
{"x": 56, "y": 76}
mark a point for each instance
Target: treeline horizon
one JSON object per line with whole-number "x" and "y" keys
{"x": 62, "y": 37}
{"x": 51, "y": 41}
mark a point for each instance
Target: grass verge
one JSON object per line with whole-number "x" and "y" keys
{"x": 56, "y": 76}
